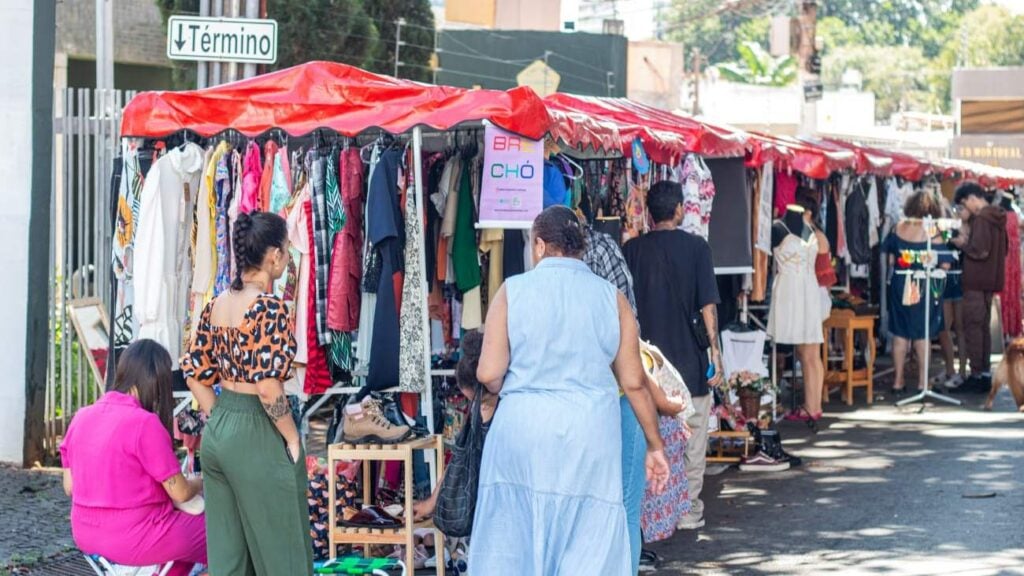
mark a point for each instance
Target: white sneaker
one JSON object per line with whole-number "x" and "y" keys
{"x": 689, "y": 522}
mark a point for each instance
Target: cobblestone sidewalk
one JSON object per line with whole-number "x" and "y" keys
{"x": 34, "y": 523}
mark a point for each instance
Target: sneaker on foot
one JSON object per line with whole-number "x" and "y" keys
{"x": 370, "y": 426}
{"x": 690, "y": 522}
{"x": 762, "y": 462}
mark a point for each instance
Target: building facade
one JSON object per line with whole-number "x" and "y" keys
{"x": 140, "y": 46}
{"x": 989, "y": 108}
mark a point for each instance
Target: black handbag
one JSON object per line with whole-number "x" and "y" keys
{"x": 695, "y": 322}
{"x": 456, "y": 501}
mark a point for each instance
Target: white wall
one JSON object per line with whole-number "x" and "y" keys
{"x": 15, "y": 171}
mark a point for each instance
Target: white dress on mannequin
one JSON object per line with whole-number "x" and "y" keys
{"x": 796, "y": 311}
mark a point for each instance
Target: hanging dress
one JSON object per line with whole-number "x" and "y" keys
{"x": 906, "y": 301}
{"x": 795, "y": 316}
{"x": 1009, "y": 298}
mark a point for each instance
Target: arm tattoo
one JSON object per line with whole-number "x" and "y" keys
{"x": 170, "y": 482}
{"x": 277, "y": 409}
{"x": 712, "y": 326}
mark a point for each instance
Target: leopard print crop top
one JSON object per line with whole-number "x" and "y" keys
{"x": 261, "y": 347}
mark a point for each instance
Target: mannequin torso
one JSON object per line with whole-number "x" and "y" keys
{"x": 792, "y": 222}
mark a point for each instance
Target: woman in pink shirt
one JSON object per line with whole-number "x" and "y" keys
{"x": 122, "y": 475}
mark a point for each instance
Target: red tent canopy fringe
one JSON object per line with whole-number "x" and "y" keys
{"x": 584, "y": 132}
{"x": 809, "y": 158}
{"x": 666, "y": 136}
{"x": 339, "y": 97}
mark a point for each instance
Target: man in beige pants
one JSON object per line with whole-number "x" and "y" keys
{"x": 674, "y": 283}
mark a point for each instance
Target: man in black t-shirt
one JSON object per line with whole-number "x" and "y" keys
{"x": 674, "y": 280}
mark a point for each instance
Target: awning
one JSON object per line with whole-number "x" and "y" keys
{"x": 666, "y": 136}
{"x": 867, "y": 161}
{"x": 585, "y": 134}
{"x": 812, "y": 160}
{"x": 330, "y": 95}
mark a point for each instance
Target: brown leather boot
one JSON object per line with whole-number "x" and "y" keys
{"x": 371, "y": 426}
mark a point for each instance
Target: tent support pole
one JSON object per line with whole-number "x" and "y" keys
{"x": 417, "y": 195}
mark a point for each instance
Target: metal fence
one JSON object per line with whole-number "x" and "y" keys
{"x": 87, "y": 125}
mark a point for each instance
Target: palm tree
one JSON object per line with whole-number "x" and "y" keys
{"x": 756, "y": 66}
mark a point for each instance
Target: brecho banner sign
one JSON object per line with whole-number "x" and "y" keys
{"x": 512, "y": 190}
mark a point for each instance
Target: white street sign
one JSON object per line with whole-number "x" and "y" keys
{"x": 222, "y": 39}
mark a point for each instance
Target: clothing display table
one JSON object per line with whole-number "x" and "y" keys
{"x": 848, "y": 378}
{"x": 367, "y": 453}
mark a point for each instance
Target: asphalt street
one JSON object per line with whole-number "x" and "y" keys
{"x": 883, "y": 490}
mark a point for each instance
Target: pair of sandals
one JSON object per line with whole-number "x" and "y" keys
{"x": 802, "y": 415}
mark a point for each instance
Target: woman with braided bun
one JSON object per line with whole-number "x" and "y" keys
{"x": 254, "y": 475}
{"x": 559, "y": 342}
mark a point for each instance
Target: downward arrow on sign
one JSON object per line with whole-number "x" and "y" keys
{"x": 180, "y": 42}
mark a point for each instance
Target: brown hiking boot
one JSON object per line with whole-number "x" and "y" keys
{"x": 371, "y": 426}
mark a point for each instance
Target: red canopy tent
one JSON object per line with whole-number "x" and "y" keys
{"x": 329, "y": 95}
{"x": 867, "y": 161}
{"x": 584, "y": 133}
{"x": 666, "y": 136}
{"x": 809, "y": 158}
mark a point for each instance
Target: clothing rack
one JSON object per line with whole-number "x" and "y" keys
{"x": 928, "y": 272}
{"x": 319, "y": 138}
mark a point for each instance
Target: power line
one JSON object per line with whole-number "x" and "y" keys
{"x": 583, "y": 64}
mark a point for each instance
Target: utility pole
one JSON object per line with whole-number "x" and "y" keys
{"x": 217, "y": 67}
{"x": 398, "y": 42}
{"x": 252, "y": 10}
{"x": 105, "y": 47}
{"x": 203, "y": 69}
{"x": 808, "y": 46}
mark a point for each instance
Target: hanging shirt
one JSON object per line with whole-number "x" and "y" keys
{"x": 785, "y": 191}
{"x": 743, "y": 352}
{"x": 346, "y": 258}
{"x": 385, "y": 230}
{"x": 491, "y": 242}
{"x": 253, "y": 171}
{"x": 318, "y": 376}
{"x": 464, "y": 250}
{"x": 874, "y": 218}
{"x": 222, "y": 189}
{"x": 266, "y": 175}
{"x": 698, "y": 196}
{"x": 554, "y": 186}
{"x": 298, "y": 237}
{"x": 413, "y": 354}
{"x": 163, "y": 235}
{"x": 763, "y": 238}
{"x": 321, "y": 244}
{"x": 123, "y": 245}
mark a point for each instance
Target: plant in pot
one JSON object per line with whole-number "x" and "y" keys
{"x": 749, "y": 387}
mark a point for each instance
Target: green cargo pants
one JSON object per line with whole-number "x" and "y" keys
{"x": 257, "y": 516}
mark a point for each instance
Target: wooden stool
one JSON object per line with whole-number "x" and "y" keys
{"x": 719, "y": 456}
{"x": 367, "y": 453}
{"x": 847, "y": 377}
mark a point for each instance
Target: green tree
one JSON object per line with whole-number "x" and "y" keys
{"x": 757, "y": 66}
{"x": 704, "y": 25}
{"x": 897, "y": 75}
{"x": 834, "y": 33}
{"x": 994, "y": 38}
{"x": 183, "y": 74}
{"x": 920, "y": 23}
{"x": 335, "y": 30}
{"x": 417, "y": 37}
